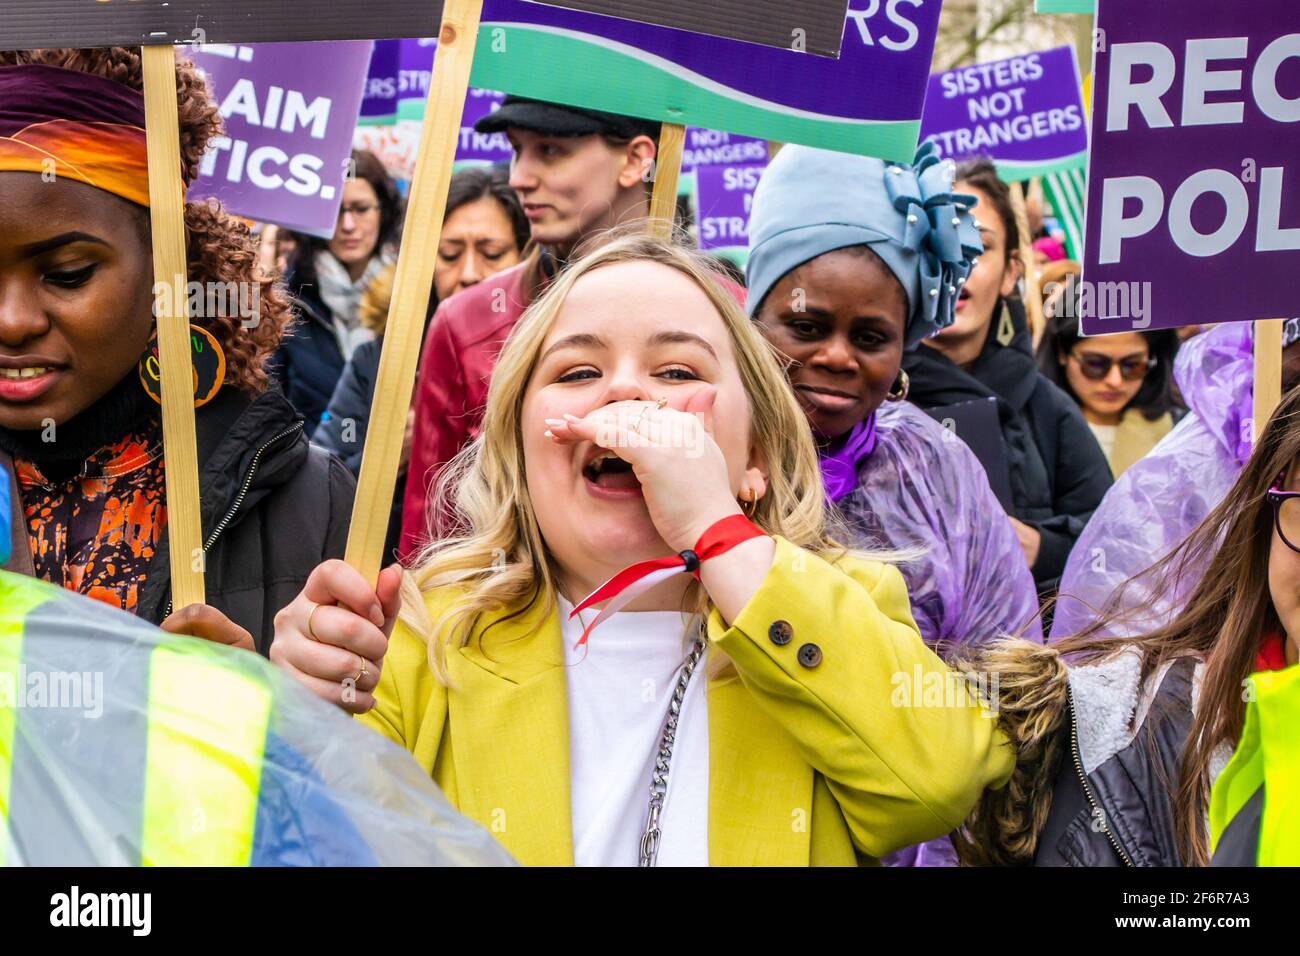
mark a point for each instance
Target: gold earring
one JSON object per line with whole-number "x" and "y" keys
{"x": 749, "y": 506}
{"x": 902, "y": 385}
{"x": 1006, "y": 328}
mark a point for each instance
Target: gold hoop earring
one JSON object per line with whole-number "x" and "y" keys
{"x": 749, "y": 506}
{"x": 902, "y": 385}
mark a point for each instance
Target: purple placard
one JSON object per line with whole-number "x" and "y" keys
{"x": 711, "y": 147}
{"x": 868, "y": 100}
{"x": 397, "y": 81}
{"x": 482, "y": 147}
{"x": 379, "y": 104}
{"x": 396, "y": 88}
{"x": 289, "y": 110}
{"x": 1025, "y": 112}
{"x": 1194, "y": 179}
{"x": 905, "y": 30}
{"x": 724, "y": 197}
{"x": 414, "y": 75}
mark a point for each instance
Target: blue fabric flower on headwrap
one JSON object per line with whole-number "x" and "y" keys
{"x": 812, "y": 201}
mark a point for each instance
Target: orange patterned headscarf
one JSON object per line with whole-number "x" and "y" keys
{"x": 72, "y": 125}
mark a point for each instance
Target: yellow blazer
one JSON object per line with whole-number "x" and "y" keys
{"x": 828, "y": 765}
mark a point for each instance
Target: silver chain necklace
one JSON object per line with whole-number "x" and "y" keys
{"x": 653, "y": 834}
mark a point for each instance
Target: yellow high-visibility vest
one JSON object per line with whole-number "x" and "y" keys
{"x": 121, "y": 745}
{"x": 203, "y": 726}
{"x": 1267, "y": 756}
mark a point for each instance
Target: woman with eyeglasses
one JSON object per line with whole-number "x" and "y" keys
{"x": 1120, "y": 738}
{"x": 1122, "y": 382}
{"x": 1164, "y": 496}
{"x": 327, "y": 279}
{"x": 484, "y": 232}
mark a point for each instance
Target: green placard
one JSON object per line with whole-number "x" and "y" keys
{"x": 607, "y": 74}
{"x": 1012, "y": 172}
{"x": 1065, "y": 6}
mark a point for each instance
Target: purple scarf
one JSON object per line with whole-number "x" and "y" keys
{"x": 840, "y": 468}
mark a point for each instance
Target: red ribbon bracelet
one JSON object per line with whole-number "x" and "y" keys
{"x": 636, "y": 579}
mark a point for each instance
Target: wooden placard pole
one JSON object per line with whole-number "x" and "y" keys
{"x": 1033, "y": 291}
{"x": 167, "y": 216}
{"x": 1268, "y": 371}
{"x": 412, "y": 285}
{"x": 668, "y": 170}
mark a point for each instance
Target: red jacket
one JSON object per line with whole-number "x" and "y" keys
{"x": 460, "y": 349}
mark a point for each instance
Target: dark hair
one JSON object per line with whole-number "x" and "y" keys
{"x": 486, "y": 182}
{"x": 490, "y": 182}
{"x": 366, "y": 166}
{"x": 1156, "y": 396}
{"x": 983, "y": 175}
{"x": 728, "y": 267}
{"x": 219, "y": 247}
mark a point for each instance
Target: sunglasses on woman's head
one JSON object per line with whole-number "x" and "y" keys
{"x": 1096, "y": 367}
{"x": 1286, "y": 512}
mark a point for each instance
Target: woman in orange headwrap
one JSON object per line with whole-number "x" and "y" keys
{"x": 77, "y": 416}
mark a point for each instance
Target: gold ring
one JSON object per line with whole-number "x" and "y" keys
{"x": 362, "y": 673}
{"x": 310, "y": 632}
{"x": 661, "y": 403}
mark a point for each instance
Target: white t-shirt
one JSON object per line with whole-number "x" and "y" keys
{"x": 1105, "y": 437}
{"x": 620, "y": 685}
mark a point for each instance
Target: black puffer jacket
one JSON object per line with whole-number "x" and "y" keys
{"x": 272, "y": 508}
{"x": 1121, "y": 813}
{"x": 1239, "y": 844}
{"x": 308, "y": 362}
{"x": 346, "y": 421}
{"x": 1059, "y": 473}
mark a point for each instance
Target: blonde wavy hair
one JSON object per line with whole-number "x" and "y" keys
{"x": 489, "y": 546}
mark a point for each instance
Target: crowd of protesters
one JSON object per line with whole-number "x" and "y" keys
{"x": 853, "y": 537}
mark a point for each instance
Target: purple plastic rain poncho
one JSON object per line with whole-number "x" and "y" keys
{"x": 922, "y": 487}
{"x": 1157, "y": 502}
{"x": 908, "y": 484}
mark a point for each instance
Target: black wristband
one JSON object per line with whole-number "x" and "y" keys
{"x": 691, "y": 558}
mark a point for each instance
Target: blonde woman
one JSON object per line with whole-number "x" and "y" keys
{"x": 765, "y": 714}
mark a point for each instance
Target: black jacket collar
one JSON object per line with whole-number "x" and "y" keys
{"x": 1006, "y": 372}
{"x": 245, "y": 445}
{"x": 233, "y": 432}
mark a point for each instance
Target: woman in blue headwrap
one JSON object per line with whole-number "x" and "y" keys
{"x": 853, "y": 262}
{"x": 843, "y": 281}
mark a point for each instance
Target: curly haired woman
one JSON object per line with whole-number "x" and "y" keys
{"x": 76, "y": 322}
